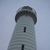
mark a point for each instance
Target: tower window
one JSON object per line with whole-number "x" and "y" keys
{"x": 24, "y": 29}
{"x": 22, "y": 47}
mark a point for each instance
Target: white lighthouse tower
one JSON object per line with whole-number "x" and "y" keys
{"x": 23, "y": 37}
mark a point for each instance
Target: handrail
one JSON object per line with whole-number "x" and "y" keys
{"x": 21, "y": 9}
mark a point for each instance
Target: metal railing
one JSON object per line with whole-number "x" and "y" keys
{"x": 28, "y": 9}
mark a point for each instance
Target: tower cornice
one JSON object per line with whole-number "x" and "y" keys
{"x": 26, "y": 10}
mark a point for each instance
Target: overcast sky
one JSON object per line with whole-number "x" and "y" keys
{"x": 8, "y": 9}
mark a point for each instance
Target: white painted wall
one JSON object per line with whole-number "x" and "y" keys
{"x": 19, "y": 37}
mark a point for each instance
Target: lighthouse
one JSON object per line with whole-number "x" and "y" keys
{"x": 23, "y": 37}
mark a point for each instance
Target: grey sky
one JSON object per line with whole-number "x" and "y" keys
{"x": 8, "y": 9}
